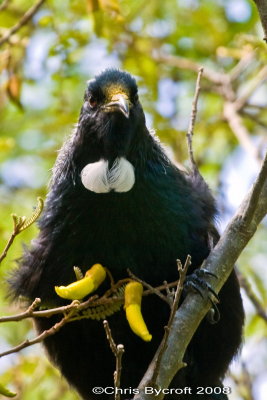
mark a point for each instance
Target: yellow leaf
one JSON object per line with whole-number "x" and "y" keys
{"x": 13, "y": 87}
{"x": 6, "y": 144}
{"x": 110, "y": 6}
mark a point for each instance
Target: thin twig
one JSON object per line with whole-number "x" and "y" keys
{"x": 239, "y": 129}
{"x": 243, "y": 383}
{"x": 242, "y": 65}
{"x": 20, "y": 224}
{"x": 117, "y": 373}
{"x": 251, "y": 295}
{"x": 189, "y": 135}
{"x": 182, "y": 276}
{"x": 23, "y": 21}
{"x": 169, "y": 293}
{"x": 222, "y": 84}
{"x": 70, "y": 311}
{"x": 49, "y": 332}
{"x": 8, "y": 245}
{"x": 93, "y": 301}
{"x": 109, "y": 337}
{"x": 219, "y": 78}
{"x": 151, "y": 288}
{"x": 31, "y": 313}
{"x": 118, "y": 351}
{"x": 4, "y": 5}
{"x": 179, "y": 289}
{"x": 250, "y": 87}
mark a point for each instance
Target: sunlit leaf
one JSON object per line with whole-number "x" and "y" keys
{"x": 13, "y": 88}
{"x": 6, "y": 392}
{"x": 7, "y": 144}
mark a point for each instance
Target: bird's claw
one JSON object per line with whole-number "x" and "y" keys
{"x": 196, "y": 283}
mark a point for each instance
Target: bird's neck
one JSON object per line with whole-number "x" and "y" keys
{"x": 81, "y": 150}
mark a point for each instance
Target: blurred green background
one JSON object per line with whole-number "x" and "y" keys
{"x": 43, "y": 72}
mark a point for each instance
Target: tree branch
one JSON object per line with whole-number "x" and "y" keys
{"x": 220, "y": 262}
{"x": 49, "y": 332}
{"x": 189, "y": 135}
{"x": 118, "y": 353}
{"x": 149, "y": 287}
{"x": 262, "y": 9}
{"x": 251, "y": 295}
{"x": 178, "y": 293}
{"x": 22, "y": 223}
{"x": 250, "y": 87}
{"x": 223, "y": 84}
{"x": 219, "y": 78}
{"x": 239, "y": 129}
{"x": 23, "y": 21}
{"x": 4, "y": 5}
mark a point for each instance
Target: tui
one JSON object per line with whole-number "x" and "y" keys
{"x": 116, "y": 199}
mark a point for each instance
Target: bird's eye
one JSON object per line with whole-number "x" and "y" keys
{"x": 92, "y": 101}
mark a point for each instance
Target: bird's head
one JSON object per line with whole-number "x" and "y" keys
{"x": 112, "y": 114}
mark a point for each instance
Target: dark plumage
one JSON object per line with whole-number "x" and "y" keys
{"x": 164, "y": 216}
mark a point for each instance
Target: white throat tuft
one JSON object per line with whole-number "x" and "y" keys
{"x": 98, "y": 178}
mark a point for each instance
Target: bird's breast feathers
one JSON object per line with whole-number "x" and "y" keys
{"x": 99, "y": 177}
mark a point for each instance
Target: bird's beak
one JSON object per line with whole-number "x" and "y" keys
{"x": 119, "y": 102}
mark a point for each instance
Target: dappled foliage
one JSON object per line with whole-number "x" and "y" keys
{"x": 44, "y": 67}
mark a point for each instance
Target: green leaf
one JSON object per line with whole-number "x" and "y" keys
{"x": 6, "y": 392}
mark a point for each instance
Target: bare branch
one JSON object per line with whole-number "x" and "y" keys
{"x": 93, "y": 301}
{"x": 250, "y": 88}
{"x": 31, "y": 313}
{"x": 220, "y": 262}
{"x": 49, "y": 332}
{"x": 193, "y": 309}
{"x": 23, "y": 21}
{"x": 219, "y": 78}
{"x": 222, "y": 84}
{"x": 151, "y": 288}
{"x": 4, "y": 5}
{"x": 109, "y": 337}
{"x": 189, "y": 135}
{"x": 118, "y": 353}
{"x": 243, "y": 383}
{"x": 237, "y": 125}
{"x": 251, "y": 295}
{"x": 117, "y": 373}
{"x": 178, "y": 293}
{"x": 243, "y": 64}
{"x": 71, "y": 313}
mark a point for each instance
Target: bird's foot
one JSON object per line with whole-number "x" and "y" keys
{"x": 196, "y": 282}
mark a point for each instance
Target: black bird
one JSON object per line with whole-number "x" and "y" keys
{"x": 116, "y": 199}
